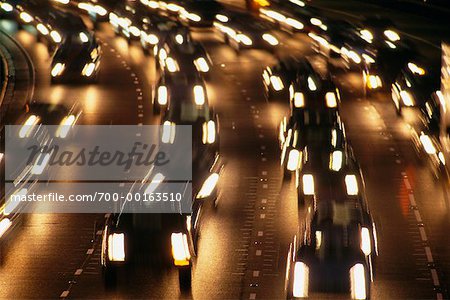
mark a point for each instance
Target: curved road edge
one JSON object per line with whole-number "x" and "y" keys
{"x": 18, "y": 87}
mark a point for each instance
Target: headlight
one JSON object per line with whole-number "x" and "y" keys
{"x": 62, "y": 1}
{"x": 351, "y": 185}
{"x": 301, "y": 280}
{"x": 358, "y": 282}
{"x": 366, "y": 35}
{"x": 152, "y": 39}
{"x": 293, "y": 160}
{"x": 316, "y": 21}
{"x": 415, "y": 69}
{"x": 330, "y": 99}
{"x": 368, "y": 59}
{"x": 168, "y": 132}
{"x": 83, "y": 37}
{"x": 366, "y": 245}
{"x": 180, "y": 249}
{"x": 194, "y": 17}
{"x": 270, "y": 39}
{"x": 5, "y": 224}
{"x": 392, "y": 35}
{"x": 26, "y": 17}
{"x": 354, "y": 56}
{"x": 162, "y": 95}
{"x": 311, "y": 84}
{"x": 407, "y": 99}
{"x": 276, "y": 82}
{"x": 56, "y": 37}
{"x": 222, "y": 18}
{"x": 374, "y": 82}
{"x": 171, "y": 64}
{"x": 294, "y": 23}
{"x": 64, "y": 126}
{"x": 427, "y": 144}
{"x": 28, "y": 126}
{"x": 208, "y": 186}
{"x": 179, "y": 39}
{"x": 156, "y": 181}
{"x": 88, "y": 69}
{"x": 116, "y": 247}
{"x": 299, "y": 100}
{"x": 308, "y": 184}
{"x": 242, "y": 38}
{"x": 58, "y": 69}
{"x": 201, "y": 64}
{"x": 40, "y": 164}
{"x": 135, "y": 31}
{"x": 8, "y": 8}
{"x": 100, "y": 10}
{"x": 336, "y": 161}
{"x": 209, "y": 132}
{"x": 42, "y": 29}
{"x": 199, "y": 95}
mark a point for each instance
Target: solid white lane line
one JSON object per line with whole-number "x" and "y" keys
{"x": 78, "y": 272}
{"x": 64, "y": 294}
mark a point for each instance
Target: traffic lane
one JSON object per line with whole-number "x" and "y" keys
{"x": 42, "y": 254}
{"x": 223, "y": 243}
{"x": 110, "y": 101}
{"x": 431, "y": 205}
{"x": 62, "y": 236}
{"x": 380, "y": 142}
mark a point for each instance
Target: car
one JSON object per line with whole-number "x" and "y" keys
{"x": 243, "y": 31}
{"x": 161, "y": 241}
{"x": 414, "y": 85}
{"x": 186, "y": 54}
{"x": 97, "y": 10}
{"x": 199, "y": 13}
{"x": 205, "y": 127}
{"x": 313, "y": 92}
{"x": 379, "y": 31}
{"x": 301, "y": 139}
{"x": 154, "y": 29}
{"x": 179, "y": 86}
{"x": 336, "y": 252}
{"x": 77, "y": 59}
{"x": 125, "y": 19}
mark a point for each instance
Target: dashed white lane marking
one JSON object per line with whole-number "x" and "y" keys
{"x": 255, "y": 273}
{"x": 261, "y": 136}
{"x": 265, "y": 186}
{"x": 428, "y": 254}
{"x": 260, "y": 233}
{"x": 78, "y": 272}
{"x": 407, "y": 184}
{"x": 252, "y": 296}
{"x": 258, "y": 252}
{"x": 138, "y": 134}
{"x": 263, "y": 147}
{"x": 140, "y": 124}
{"x": 90, "y": 251}
{"x": 439, "y": 296}
{"x": 122, "y": 184}
{"x": 412, "y": 200}
{"x": 423, "y": 235}
{"x": 99, "y": 232}
{"x": 262, "y": 216}
{"x": 263, "y": 201}
{"x": 263, "y": 159}
{"x": 64, "y": 294}
{"x": 264, "y": 173}
{"x": 140, "y": 115}
{"x": 418, "y": 216}
{"x": 140, "y": 106}
{"x": 434, "y": 276}
{"x": 398, "y": 161}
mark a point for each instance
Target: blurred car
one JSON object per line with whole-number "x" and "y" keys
{"x": 205, "y": 127}
{"x": 179, "y": 86}
{"x": 379, "y": 30}
{"x": 244, "y": 31}
{"x": 336, "y": 252}
{"x": 302, "y": 139}
{"x": 97, "y": 10}
{"x": 199, "y": 13}
{"x": 154, "y": 29}
{"x": 125, "y": 19}
{"x": 186, "y": 54}
{"x": 312, "y": 92}
{"x": 77, "y": 59}
{"x": 277, "y": 78}
{"x": 413, "y": 86}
